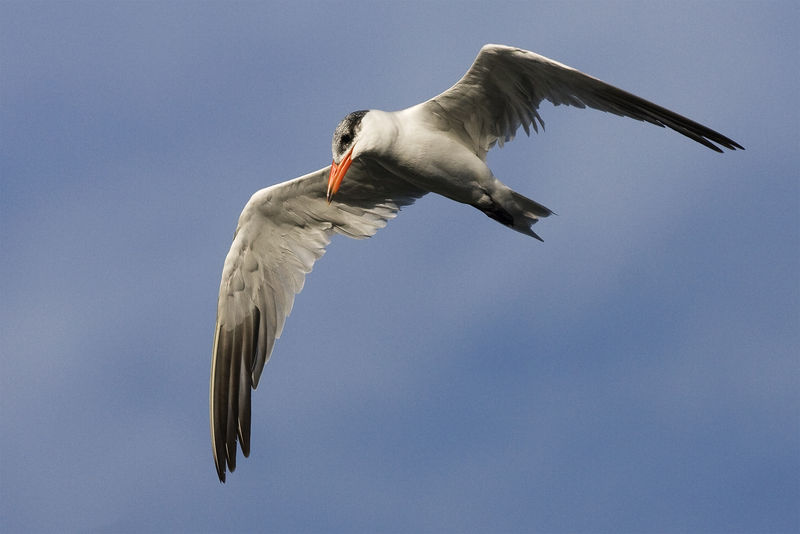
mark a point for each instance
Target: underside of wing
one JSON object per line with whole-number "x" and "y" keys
{"x": 282, "y": 231}
{"x": 503, "y": 88}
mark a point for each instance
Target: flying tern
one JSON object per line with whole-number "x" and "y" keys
{"x": 383, "y": 161}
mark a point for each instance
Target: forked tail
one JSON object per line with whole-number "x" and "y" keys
{"x": 516, "y": 211}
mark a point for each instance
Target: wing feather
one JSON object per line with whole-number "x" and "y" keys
{"x": 282, "y": 231}
{"x": 504, "y": 86}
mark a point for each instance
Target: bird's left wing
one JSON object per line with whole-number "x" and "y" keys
{"x": 504, "y": 86}
{"x": 282, "y": 231}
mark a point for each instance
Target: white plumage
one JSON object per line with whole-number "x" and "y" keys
{"x": 383, "y": 161}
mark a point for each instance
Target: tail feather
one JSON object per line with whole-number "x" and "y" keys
{"x": 531, "y": 207}
{"x": 518, "y": 212}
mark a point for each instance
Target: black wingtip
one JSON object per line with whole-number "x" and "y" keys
{"x": 735, "y": 145}
{"x": 220, "y": 470}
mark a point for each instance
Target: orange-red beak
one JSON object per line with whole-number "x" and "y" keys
{"x": 337, "y": 174}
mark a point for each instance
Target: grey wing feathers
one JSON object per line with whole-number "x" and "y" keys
{"x": 504, "y": 86}
{"x": 282, "y": 231}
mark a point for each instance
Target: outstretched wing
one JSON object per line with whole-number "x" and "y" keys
{"x": 282, "y": 231}
{"x": 504, "y": 87}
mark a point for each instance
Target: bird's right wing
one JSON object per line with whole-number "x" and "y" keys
{"x": 504, "y": 86}
{"x": 282, "y": 231}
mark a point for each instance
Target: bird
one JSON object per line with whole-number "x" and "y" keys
{"x": 382, "y": 162}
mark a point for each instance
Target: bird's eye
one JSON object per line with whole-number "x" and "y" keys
{"x": 345, "y": 140}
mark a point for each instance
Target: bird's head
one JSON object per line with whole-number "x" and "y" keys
{"x": 344, "y": 141}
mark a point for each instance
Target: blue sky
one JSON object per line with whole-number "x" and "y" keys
{"x": 636, "y": 372}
